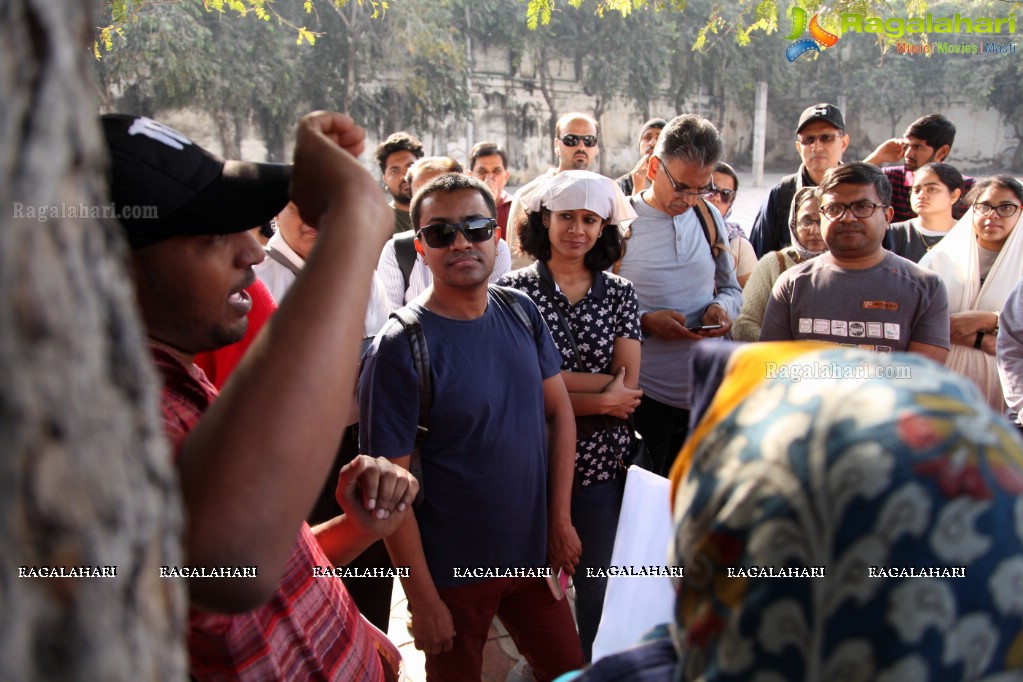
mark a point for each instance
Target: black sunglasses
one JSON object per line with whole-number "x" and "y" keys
{"x": 725, "y": 194}
{"x": 442, "y": 235}
{"x": 573, "y": 140}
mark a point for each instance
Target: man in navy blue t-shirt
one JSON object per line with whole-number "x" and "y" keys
{"x": 496, "y": 510}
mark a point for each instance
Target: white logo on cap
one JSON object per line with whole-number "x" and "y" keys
{"x": 820, "y": 111}
{"x": 159, "y": 132}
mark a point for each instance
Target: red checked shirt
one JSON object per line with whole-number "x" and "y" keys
{"x": 310, "y": 629}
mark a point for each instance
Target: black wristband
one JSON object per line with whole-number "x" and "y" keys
{"x": 980, "y": 339}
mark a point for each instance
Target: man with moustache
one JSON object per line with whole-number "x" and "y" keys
{"x": 395, "y": 156}
{"x": 248, "y": 476}
{"x": 576, "y": 146}
{"x": 682, "y": 280}
{"x": 820, "y": 142}
{"x": 635, "y": 181}
{"x": 927, "y": 139}
{"x": 858, "y": 294}
{"x": 497, "y": 487}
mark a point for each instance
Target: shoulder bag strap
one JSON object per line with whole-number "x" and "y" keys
{"x": 282, "y": 259}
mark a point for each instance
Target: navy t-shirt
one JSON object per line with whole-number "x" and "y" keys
{"x": 484, "y": 462}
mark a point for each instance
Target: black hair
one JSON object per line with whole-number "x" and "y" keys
{"x": 723, "y": 167}
{"x": 486, "y": 149}
{"x": 947, "y": 174}
{"x": 397, "y": 142}
{"x": 934, "y": 129}
{"x": 856, "y": 173}
{"x": 534, "y": 240}
{"x": 448, "y": 183}
{"x": 999, "y": 181}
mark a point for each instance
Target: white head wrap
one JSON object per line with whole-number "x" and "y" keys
{"x": 579, "y": 189}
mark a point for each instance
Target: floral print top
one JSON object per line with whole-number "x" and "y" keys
{"x": 609, "y": 311}
{"x": 861, "y": 522}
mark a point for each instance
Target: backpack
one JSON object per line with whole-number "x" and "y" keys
{"x": 706, "y": 221}
{"x": 421, "y": 363}
{"x": 405, "y": 254}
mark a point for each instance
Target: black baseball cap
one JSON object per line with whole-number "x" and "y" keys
{"x": 822, "y": 112}
{"x": 154, "y": 168}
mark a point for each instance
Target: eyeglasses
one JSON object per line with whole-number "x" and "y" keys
{"x": 682, "y": 189}
{"x": 1001, "y": 210}
{"x": 860, "y": 209}
{"x": 573, "y": 140}
{"x": 483, "y": 173}
{"x": 823, "y": 138}
{"x": 442, "y": 235}
{"x": 725, "y": 194}
{"x": 807, "y": 223}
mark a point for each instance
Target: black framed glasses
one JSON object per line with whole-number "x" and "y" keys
{"x": 574, "y": 140}
{"x": 1001, "y": 210}
{"x": 682, "y": 189}
{"x": 725, "y": 194}
{"x": 823, "y": 138}
{"x": 442, "y": 235}
{"x": 859, "y": 209}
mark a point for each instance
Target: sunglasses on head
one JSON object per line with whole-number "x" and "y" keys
{"x": 442, "y": 235}
{"x": 573, "y": 140}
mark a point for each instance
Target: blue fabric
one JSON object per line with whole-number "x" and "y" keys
{"x": 873, "y": 472}
{"x": 485, "y": 458}
{"x": 707, "y": 365}
{"x": 595, "y": 510}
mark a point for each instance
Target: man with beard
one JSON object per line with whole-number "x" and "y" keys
{"x": 684, "y": 274}
{"x": 820, "y": 142}
{"x": 927, "y": 139}
{"x": 395, "y": 155}
{"x": 858, "y": 294}
{"x": 576, "y": 147}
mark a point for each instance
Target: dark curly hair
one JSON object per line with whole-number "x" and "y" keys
{"x": 534, "y": 240}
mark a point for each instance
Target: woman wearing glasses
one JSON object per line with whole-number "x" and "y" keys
{"x": 980, "y": 261}
{"x": 807, "y": 243}
{"x": 572, "y": 231}
{"x": 726, "y": 185}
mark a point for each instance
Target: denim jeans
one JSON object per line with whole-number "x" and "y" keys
{"x": 595, "y": 510}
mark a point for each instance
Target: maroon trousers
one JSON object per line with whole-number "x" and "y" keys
{"x": 540, "y": 625}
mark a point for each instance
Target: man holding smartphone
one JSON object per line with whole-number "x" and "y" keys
{"x": 684, "y": 274}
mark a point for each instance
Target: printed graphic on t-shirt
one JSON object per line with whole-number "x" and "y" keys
{"x": 839, "y": 328}
{"x": 821, "y": 326}
{"x": 857, "y": 329}
{"x": 890, "y": 306}
{"x": 891, "y": 331}
{"x": 874, "y": 330}
{"x": 805, "y": 325}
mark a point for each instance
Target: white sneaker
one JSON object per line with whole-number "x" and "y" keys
{"x": 522, "y": 672}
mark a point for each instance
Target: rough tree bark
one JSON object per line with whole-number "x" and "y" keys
{"x": 85, "y": 477}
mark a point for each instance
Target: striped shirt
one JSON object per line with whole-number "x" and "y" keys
{"x": 310, "y": 629}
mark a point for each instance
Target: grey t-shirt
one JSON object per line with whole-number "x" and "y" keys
{"x": 882, "y": 308}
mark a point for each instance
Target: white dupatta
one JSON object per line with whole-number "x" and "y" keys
{"x": 956, "y": 259}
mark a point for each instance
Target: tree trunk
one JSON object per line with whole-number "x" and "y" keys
{"x": 85, "y": 476}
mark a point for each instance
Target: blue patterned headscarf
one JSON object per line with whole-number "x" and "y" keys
{"x": 893, "y": 467}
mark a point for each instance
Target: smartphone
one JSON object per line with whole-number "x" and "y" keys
{"x": 705, "y": 327}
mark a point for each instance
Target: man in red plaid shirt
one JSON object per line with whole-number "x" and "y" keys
{"x": 252, "y": 461}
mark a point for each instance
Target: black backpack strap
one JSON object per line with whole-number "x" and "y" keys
{"x": 513, "y": 303}
{"x": 282, "y": 259}
{"x": 710, "y": 230}
{"x": 405, "y": 254}
{"x": 421, "y": 363}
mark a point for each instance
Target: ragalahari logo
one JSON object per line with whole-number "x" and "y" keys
{"x": 819, "y": 37}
